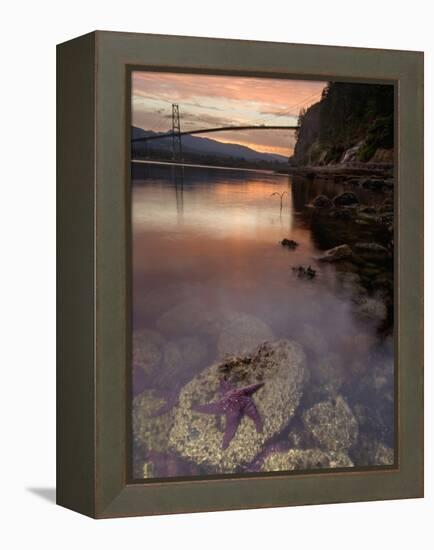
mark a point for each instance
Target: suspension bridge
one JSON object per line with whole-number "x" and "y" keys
{"x": 176, "y": 134}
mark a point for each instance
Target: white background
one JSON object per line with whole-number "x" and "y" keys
{"x": 29, "y": 32}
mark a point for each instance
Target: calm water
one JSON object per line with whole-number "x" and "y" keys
{"x": 211, "y": 236}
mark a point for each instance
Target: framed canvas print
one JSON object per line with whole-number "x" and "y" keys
{"x": 240, "y": 274}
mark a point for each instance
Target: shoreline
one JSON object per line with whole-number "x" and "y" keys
{"x": 212, "y": 166}
{"x": 348, "y": 170}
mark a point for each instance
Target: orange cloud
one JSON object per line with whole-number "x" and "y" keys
{"x": 211, "y": 100}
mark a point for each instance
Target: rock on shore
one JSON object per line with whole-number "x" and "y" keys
{"x": 336, "y": 254}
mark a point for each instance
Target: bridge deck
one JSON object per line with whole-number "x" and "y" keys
{"x": 210, "y": 130}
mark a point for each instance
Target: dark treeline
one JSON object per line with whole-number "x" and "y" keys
{"x": 346, "y": 115}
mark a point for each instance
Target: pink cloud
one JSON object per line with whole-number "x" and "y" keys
{"x": 207, "y": 100}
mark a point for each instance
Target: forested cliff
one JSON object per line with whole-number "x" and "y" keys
{"x": 351, "y": 123}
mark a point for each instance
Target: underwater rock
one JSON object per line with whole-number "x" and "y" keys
{"x": 371, "y": 452}
{"x": 383, "y": 455}
{"x": 183, "y": 355}
{"x": 147, "y": 350}
{"x": 304, "y": 272}
{"x": 289, "y": 243}
{"x": 307, "y": 459}
{"x": 150, "y": 305}
{"x": 150, "y": 429}
{"x": 321, "y": 201}
{"x": 336, "y": 254}
{"x": 333, "y": 424}
{"x": 192, "y": 316}
{"x": 327, "y": 374}
{"x": 349, "y": 281}
{"x": 280, "y": 366}
{"x": 167, "y": 465}
{"x": 374, "y": 398}
{"x": 370, "y": 308}
{"x": 358, "y": 346}
{"x": 139, "y": 380}
{"x": 242, "y": 333}
{"x": 296, "y": 437}
{"x": 312, "y": 339}
{"x": 346, "y": 199}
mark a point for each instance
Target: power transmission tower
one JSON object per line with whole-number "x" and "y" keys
{"x": 176, "y": 134}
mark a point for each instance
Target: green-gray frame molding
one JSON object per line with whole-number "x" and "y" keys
{"x": 94, "y": 269}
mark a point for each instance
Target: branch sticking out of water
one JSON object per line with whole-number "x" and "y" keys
{"x": 281, "y": 195}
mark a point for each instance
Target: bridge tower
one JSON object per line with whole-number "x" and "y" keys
{"x": 176, "y": 134}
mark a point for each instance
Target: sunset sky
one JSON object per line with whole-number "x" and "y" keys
{"x": 211, "y": 101}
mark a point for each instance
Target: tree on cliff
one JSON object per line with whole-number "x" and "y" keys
{"x": 347, "y": 114}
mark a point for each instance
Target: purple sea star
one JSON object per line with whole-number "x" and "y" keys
{"x": 234, "y": 403}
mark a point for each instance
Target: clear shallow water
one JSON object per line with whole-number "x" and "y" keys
{"x": 211, "y": 236}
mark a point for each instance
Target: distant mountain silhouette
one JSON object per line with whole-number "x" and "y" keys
{"x": 198, "y": 146}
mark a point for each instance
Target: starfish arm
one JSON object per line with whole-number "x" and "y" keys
{"x": 232, "y": 421}
{"x": 209, "y": 408}
{"x": 250, "y": 390}
{"x": 251, "y": 411}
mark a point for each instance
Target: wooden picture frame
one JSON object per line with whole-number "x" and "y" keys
{"x": 94, "y": 259}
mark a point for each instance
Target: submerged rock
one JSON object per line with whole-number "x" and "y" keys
{"x": 184, "y": 355}
{"x": 370, "y": 308}
{"x": 139, "y": 380}
{"x": 192, "y": 316}
{"x": 328, "y": 374}
{"x": 304, "y": 272}
{"x": 289, "y": 243}
{"x": 383, "y": 455}
{"x": 280, "y": 366}
{"x": 374, "y": 399}
{"x": 350, "y": 281}
{"x": 312, "y": 339}
{"x": 336, "y": 254}
{"x": 167, "y": 465}
{"x": 307, "y": 459}
{"x": 371, "y": 452}
{"x": 147, "y": 350}
{"x": 242, "y": 333}
{"x": 333, "y": 424}
{"x": 150, "y": 429}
